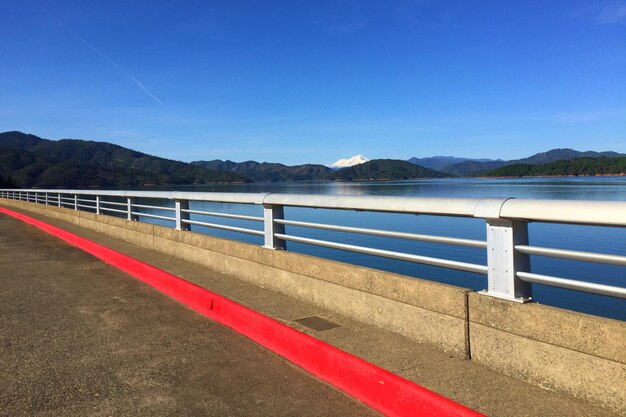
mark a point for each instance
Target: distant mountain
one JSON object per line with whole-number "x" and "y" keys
{"x": 440, "y": 162}
{"x": 577, "y": 167}
{"x": 349, "y": 162}
{"x": 467, "y": 168}
{"x": 472, "y": 167}
{"x": 564, "y": 154}
{"x": 265, "y": 171}
{"x": 28, "y": 160}
{"x": 387, "y": 169}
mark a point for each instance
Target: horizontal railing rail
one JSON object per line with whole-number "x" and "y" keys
{"x": 508, "y": 268}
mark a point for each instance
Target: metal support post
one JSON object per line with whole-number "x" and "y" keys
{"x": 129, "y": 209}
{"x": 46, "y": 199}
{"x": 75, "y": 201}
{"x": 98, "y": 205}
{"x": 182, "y": 215}
{"x": 270, "y": 214}
{"x": 504, "y": 261}
{"x": 59, "y": 201}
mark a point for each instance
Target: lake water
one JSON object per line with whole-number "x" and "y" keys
{"x": 586, "y": 238}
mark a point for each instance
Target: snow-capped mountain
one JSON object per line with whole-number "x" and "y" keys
{"x": 349, "y": 162}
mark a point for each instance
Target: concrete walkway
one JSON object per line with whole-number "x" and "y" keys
{"x": 78, "y": 337}
{"x": 461, "y": 380}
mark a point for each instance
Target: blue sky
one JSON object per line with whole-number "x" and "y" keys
{"x": 298, "y": 81}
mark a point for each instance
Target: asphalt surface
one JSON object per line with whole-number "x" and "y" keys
{"x": 78, "y": 337}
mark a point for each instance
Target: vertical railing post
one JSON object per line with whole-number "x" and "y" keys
{"x": 46, "y": 199}
{"x": 129, "y": 209}
{"x": 75, "y": 201}
{"x": 504, "y": 261}
{"x": 271, "y": 213}
{"x": 98, "y": 204}
{"x": 181, "y": 215}
{"x": 59, "y": 200}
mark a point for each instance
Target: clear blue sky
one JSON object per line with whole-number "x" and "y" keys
{"x": 315, "y": 81}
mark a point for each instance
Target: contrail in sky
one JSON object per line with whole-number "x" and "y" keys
{"x": 116, "y": 65}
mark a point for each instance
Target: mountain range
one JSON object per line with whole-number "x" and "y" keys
{"x": 381, "y": 169}
{"x": 268, "y": 171}
{"x": 472, "y": 167}
{"x": 30, "y": 161}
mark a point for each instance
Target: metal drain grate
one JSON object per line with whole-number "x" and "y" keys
{"x": 317, "y": 323}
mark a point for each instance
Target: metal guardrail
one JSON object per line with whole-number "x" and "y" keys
{"x": 508, "y": 252}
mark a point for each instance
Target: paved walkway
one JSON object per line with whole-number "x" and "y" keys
{"x": 462, "y": 380}
{"x": 78, "y": 337}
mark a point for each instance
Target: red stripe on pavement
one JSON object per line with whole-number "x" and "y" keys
{"x": 380, "y": 389}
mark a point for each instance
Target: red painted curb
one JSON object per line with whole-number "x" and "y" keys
{"x": 374, "y": 386}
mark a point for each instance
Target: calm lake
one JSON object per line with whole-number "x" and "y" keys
{"x": 586, "y": 238}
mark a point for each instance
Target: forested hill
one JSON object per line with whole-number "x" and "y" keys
{"x": 577, "y": 166}
{"x": 267, "y": 171}
{"x": 28, "y": 160}
{"x": 387, "y": 169}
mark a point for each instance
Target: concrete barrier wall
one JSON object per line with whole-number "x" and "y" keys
{"x": 581, "y": 355}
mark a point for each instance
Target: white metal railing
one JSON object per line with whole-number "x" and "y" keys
{"x": 508, "y": 269}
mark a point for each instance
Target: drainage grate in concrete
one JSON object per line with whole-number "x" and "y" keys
{"x": 317, "y": 323}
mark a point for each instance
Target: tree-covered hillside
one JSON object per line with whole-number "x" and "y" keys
{"x": 267, "y": 171}
{"x": 577, "y": 166}
{"x": 32, "y": 161}
{"x": 387, "y": 169}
